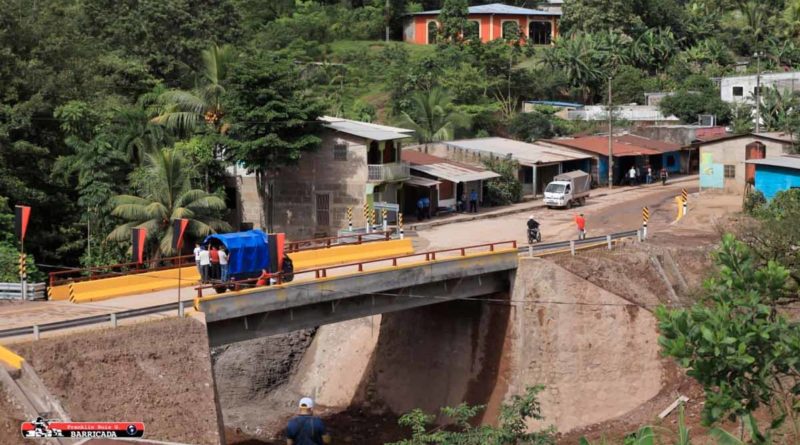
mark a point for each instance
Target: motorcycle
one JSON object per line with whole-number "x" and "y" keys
{"x": 534, "y": 235}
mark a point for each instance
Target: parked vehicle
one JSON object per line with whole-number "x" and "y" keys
{"x": 568, "y": 189}
{"x": 249, "y": 252}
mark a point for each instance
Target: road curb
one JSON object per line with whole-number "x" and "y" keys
{"x": 539, "y": 204}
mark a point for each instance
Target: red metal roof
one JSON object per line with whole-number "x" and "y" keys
{"x": 623, "y": 145}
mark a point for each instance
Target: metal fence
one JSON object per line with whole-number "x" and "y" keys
{"x": 13, "y": 291}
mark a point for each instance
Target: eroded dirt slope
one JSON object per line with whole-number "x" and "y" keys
{"x": 157, "y": 372}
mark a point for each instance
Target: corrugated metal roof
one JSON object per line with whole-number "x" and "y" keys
{"x": 454, "y": 173}
{"x": 365, "y": 130}
{"x": 787, "y": 161}
{"x": 420, "y": 181}
{"x": 523, "y": 152}
{"x": 599, "y": 145}
{"x": 653, "y": 144}
{"x": 496, "y": 8}
{"x": 777, "y": 135}
{"x": 445, "y": 168}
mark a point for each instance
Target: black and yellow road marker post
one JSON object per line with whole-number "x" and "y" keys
{"x": 685, "y": 197}
{"x": 645, "y": 218}
{"x": 350, "y": 219}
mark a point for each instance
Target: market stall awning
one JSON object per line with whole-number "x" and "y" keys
{"x": 454, "y": 173}
{"x": 421, "y": 182}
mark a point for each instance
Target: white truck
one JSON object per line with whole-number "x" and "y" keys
{"x": 568, "y": 189}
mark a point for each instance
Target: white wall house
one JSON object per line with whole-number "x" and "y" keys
{"x": 740, "y": 89}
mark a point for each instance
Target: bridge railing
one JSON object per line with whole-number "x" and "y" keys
{"x": 75, "y": 275}
{"x": 322, "y": 272}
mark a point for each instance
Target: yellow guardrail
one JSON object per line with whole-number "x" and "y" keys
{"x": 107, "y": 288}
{"x": 11, "y": 359}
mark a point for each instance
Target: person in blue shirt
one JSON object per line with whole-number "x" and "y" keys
{"x": 473, "y": 201}
{"x": 306, "y": 428}
{"x": 420, "y": 209}
{"x": 426, "y": 207}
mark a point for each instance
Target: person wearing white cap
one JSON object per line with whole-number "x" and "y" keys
{"x": 306, "y": 428}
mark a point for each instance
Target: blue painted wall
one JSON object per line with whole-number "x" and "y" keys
{"x": 770, "y": 180}
{"x": 602, "y": 170}
{"x": 675, "y": 167}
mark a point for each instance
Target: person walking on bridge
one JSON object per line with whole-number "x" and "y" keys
{"x": 223, "y": 264}
{"x": 306, "y": 428}
{"x": 580, "y": 221}
{"x": 196, "y": 251}
{"x": 205, "y": 265}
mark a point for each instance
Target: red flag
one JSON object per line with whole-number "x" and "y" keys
{"x": 178, "y": 228}
{"x": 22, "y": 214}
{"x": 138, "y": 236}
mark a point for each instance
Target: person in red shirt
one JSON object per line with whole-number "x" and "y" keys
{"x": 215, "y": 270}
{"x": 263, "y": 279}
{"x": 580, "y": 221}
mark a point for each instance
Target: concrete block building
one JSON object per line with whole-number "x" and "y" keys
{"x": 723, "y": 160}
{"x": 357, "y": 163}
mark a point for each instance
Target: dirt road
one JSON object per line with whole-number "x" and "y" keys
{"x": 605, "y": 214}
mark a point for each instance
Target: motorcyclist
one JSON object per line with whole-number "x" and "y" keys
{"x": 533, "y": 229}
{"x": 532, "y": 223}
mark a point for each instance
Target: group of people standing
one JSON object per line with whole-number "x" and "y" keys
{"x": 212, "y": 263}
{"x": 473, "y": 202}
{"x": 634, "y": 175}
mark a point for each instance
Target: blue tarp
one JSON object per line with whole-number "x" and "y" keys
{"x": 247, "y": 251}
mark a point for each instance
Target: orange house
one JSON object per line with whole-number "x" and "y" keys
{"x": 488, "y": 22}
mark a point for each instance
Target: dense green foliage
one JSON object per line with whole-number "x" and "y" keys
{"x": 512, "y": 425}
{"x": 506, "y": 189}
{"x": 737, "y": 343}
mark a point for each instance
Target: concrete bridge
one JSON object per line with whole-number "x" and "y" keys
{"x": 343, "y": 292}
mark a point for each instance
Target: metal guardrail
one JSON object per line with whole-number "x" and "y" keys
{"x": 94, "y": 319}
{"x": 13, "y": 291}
{"x": 560, "y": 245}
{"x": 113, "y": 317}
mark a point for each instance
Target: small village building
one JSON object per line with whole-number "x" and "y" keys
{"x": 441, "y": 180}
{"x": 487, "y": 23}
{"x": 776, "y": 174}
{"x": 741, "y": 89}
{"x": 628, "y": 151}
{"x": 538, "y": 163}
{"x": 723, "y": 160}
{"x": 357, "y": 163}
{"x": 637, "y": 115}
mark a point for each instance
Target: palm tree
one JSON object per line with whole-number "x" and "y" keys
{"x": 189, "y": 111}
{"x": 579, "y": 58}
{"x": 432, "y": 116}
{"x": 167, "y": 195}
{"x": 654, "y": 49}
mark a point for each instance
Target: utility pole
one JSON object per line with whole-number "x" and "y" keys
{"x": 387, "y": 20}
{"x": 758, "y": 91}
{"x": 610, "y": 139}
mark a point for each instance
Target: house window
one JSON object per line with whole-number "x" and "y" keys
{"x": 510, "y": 30}
{"x": 323, "y": 209}
{"x": 473, "y": 30}
{"x": 540, "y": 33}
{"x": 738, "y": 91}
{"x": 433, "y": 31}
{"x": 340, "y": 152}
{"x": 730, "y": 171}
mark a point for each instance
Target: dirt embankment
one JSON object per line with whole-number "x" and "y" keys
{"x": 157, "y": 372}
{"x": 10, "y": 420}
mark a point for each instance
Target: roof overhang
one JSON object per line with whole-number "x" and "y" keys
{"x": 421, "y": 182}
{"x": 454, "y": 173}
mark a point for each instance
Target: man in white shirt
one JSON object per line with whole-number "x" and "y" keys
{"x": 205, "y": 265}
{"x": 197, "y": 257}
{"x": 223, "y": 264}
{"x": 632, "y": 175}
